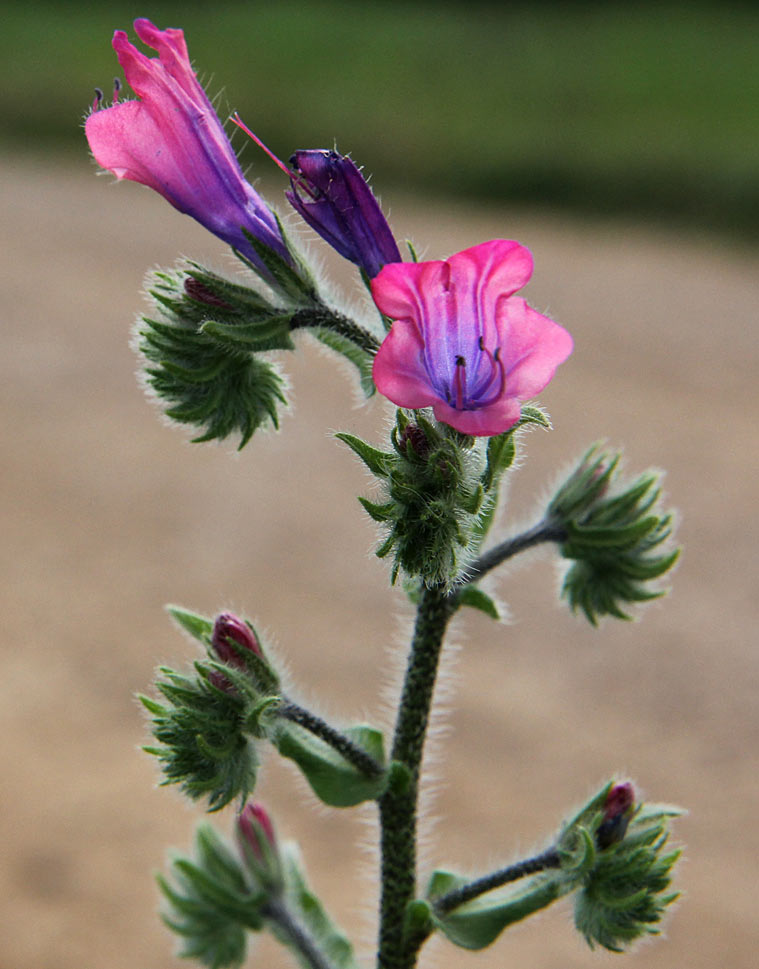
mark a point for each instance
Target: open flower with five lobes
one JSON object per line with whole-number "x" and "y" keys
{"x": 461, "y": 342}
{"x": 172, "y": 141}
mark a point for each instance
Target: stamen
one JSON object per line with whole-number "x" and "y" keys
{"x": 116, "y": 90}
{"x": 497, "y": 372}
{"x": 98, "y": 99}
{"x": 237, "y": 120}
{"x": 459, "y": 381}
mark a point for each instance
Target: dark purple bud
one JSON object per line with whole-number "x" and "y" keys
{"x": 413, "y": 434}
{"x": 202, "y": 294}
{"x": 618, "y": 809}
{"x": 227, "y": 626}
{"x": 334, "y": 198}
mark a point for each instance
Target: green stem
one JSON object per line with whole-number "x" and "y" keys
{"x": 295, "y": 935}
{"x": 398, "y": 805}
{"x": 531, "y": 866}
{"x": 547, "y": 530}
{"x": 320, "y": 728}
{"x": 320, "y": 317}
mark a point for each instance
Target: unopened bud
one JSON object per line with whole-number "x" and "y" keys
{"x": 227, "y": 626}
{"x": 413, "y": 434}
{"x": 618, "y": 809}
{"x": 201, "y": 293}
{"x": 258, "y": 845}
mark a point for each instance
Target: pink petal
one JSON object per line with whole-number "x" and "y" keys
{"x": 398, "y": 369}
{"x": 483, "y": 422}
{"x": 532, "y": 347}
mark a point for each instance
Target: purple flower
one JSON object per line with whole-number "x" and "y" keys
{"x": 461, "y": 342}
{"x": 172, "y": 141}
{"x": 331, "y": 194}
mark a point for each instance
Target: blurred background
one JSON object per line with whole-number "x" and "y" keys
{"x": 620, "y": 142}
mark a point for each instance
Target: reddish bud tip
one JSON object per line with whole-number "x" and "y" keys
{"x": 255, "y": 829}
{"x": 618, "y": 809}
{"x": 202, "y": 294}
{"x": 227, "y": 629}
{"x": 414, "y": 435}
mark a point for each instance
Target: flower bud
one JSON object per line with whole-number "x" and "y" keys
{"x": 618, "y": 809}
{"x": 334, "y": 198}
{"x": 258, "y": 845}
{"x": 227, "y": 626}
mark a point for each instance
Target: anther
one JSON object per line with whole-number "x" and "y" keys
{"x": 458, "y": 382}
{"x": 116, "y": 89}
{"x": 98, "y": 99}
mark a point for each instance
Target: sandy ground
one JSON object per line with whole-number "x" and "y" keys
{"x": 106, "y": 515}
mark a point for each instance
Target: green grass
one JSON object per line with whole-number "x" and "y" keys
{"x": 651, "y": 109}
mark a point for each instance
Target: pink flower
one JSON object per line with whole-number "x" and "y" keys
{"x": 461, "y": 342}
{"x": 172, "y": 141}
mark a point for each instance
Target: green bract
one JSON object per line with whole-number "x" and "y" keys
{"x": 614, "y": 537}
{"x": 202, "y": 353}
{"x": 439, "y": 492}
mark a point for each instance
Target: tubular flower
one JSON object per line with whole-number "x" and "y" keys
{"x": 461, "y": 342}
{"x": 336, "y": 201}
{"x": 172, "y": 141}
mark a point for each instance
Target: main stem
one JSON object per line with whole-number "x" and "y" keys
{"x": 398, "y": 805}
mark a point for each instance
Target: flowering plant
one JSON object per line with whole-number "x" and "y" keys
{"x": 450, "y": 343}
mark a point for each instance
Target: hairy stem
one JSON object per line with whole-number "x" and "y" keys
{"x": 346, "y": 748}
{"x": 398, "y": 805}
{"x": 531, "y": 866}
{"x": 322, "y": 318}
{"x": 545, "y": 531}
{"x": 295, "y": 935}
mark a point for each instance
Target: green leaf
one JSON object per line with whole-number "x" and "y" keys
{"x": 199, "y": 627}
{"x": 333, "y": 779}
{"x": 475, "y": 598}
{"x": 478, "y": 923}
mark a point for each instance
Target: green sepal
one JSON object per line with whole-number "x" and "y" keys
{"x": 210, "y": 904}
{"x": 311, "y": 914}
{"x": 378, "y": 462}
{"x": 200, "y": 743}
{"x": 270, "y": 332}
{"x": 611, "y": 538}
{"x": 360, "y": 359}
{"x": 334, "y": 780}
{"x": 379, "y": 513}
{"x": 291, "y": 279}
{"x": 478, "y": 923}
{"x": 475, "y": 598}
{"x": 199, "y": 354}
{"x": 199, "y": 627}
{"x": 625, "y": 895}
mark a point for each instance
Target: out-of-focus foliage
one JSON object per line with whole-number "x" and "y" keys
{"x": 640, "y": 107}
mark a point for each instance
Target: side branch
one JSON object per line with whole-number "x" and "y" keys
{"x": 321, "y": 317}
{"x": 320, "y": 728}
{"x": 531, "y": 866}
{"x": 547, "y": 530}
{"x": 297, "y": 937}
